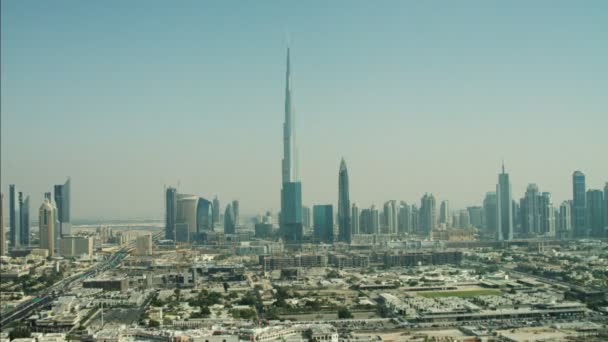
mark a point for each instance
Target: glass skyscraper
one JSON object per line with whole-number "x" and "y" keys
{"x": 345, "y": 233}
{"x": 504, "y": 206}
{"x": 62, "y": 201}
{"x": 579, "y": 210}
{"x": 170, "y": 213}
{"x": 323, "y": 222}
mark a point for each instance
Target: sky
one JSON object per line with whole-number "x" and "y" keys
{"x": 417, "y": 96}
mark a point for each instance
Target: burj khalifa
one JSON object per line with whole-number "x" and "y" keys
{"x": 291, "y": 190}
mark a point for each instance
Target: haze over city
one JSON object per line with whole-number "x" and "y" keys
{"x": 131, "y": 97}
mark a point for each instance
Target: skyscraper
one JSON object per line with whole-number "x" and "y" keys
{"x": 170, "y": 213}
{"x": 428, "y": 214}
{"x": 354, "y": 219}
{"x": 14, "y": 215}
{"x": 229, "y": 220}
{"x": 531, "y": 212}
{"x": 564, "y": 222}
{"x": 405, "y": 218}
{"x": 215, "y": 214}
{"x": 323, "y": 222}
{"x": 203, "y": 215}
{"x": 476, "y": 216}
{"x": 595, "y": 213}
{"x": 415, "y": 219}
{"x": 547, "y": 215}
{"x": 46, "y": 225}
{"x": 291, "y": 191}
{"x": 3, "y": 246}
{"x": 344, "y": 214}
{"x": 375, "y": 220}
{"x": 390, "y": 217}
{"x": 579, "y": 210}
{"x": 236, "y": 211}
{"x": 490, "y": 212}
{"x": 62, "y": 200}
{"x": 504, "y": 206}
{"x": 186, "y": 212}
{"x": 57, "y": 234}
{"x": 306, "y": 218}
{"x": 24, "y": 213}
{"x": 444, "y": 212}
{"x": 606, "y": 205}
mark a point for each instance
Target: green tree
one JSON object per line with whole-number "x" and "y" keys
{"x": 344, "y": 313}
{"x": 153, "y": 323}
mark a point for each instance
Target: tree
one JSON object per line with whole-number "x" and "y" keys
{"x": 226, "y": 286}
{"x": 344, "y": 313}
{"x": 177, "y": 293}
{"x": 153, "y": 323}
{"x": 20, "y": 332}
{"x": 205, "y": 311}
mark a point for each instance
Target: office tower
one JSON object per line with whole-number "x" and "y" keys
{"x": 390, "y": 217}
{"x": 291, "y": 190}
{"x": 531, "y": 211}
{"x": 579, "y": 210}
{"x": 504, "y": 206}
{"x": 62, "y": 200}
{"x": 75, "y": 246}
{"x": 405, "y": 218}
{"x": 595, "y": 213}
{"x": 606, "y": 205}
{"x": 204, "y": 215}
{"x": 475, "y": 216}
{"x": 14, "y": 216}
{"x": 354, "y": 219}
{"x": 143, "y": 244}
{"x": 365, "y": 221}
{"x": 46, "y": 227}
{"x": 564, "y": 221}
{"x": 229, "y": 220}
{"x": 323, "y": 222}
{"x": 415, "y": 219}
{"x": 547, "y": 215}
{"x": 306, "y": 220}
{"x": 345, "y": 233}
{"x": 444, "y": 213}
{"x": 24, "y": 217}
{"x": 428, "y": 214}
{"x": 516, "y": 218}
{"x": 236, "y": 211}
{"x": 215, "y": 214}
{"x": 375, "y": 220}
{"x": 186, "y": 212}
{"x": 490, "y": 212}
{"x": 463, "y": 219}
{"x": 170, "y": 213}
{"x": 3, "y": 246}
{"x": 57, "y": 234}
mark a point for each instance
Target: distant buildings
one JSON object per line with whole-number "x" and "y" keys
{"x": 355, "y": 224}
{"x": 46, "y": 227}
{"x": 476, "y": 216}
{"x": 345, "y": 233}
{"x": 75, "y": 246}
{"x": 579, "y": 204}
{"x": 564, "y": 221}
{"x": 204, "y": 215}
{"x": 215, "y": 213}
{"x": 530, "y": 208}
{"x": 490, "y": 214}
{"x": 62, "y": 201}
{"x": 306, "y": 217}
{"x": 323, "y": 222}
{"x": 547, "y": 215}
{"x": 24, "y": 218}
{"x": 143, "y": 244}
{"x": 230, "y": 220}
{"x": 14, "y": 216}
{"x": 186, "y": 211}
{"x": 444, "y": 213}
{"x": 504, "y": 206}
{"x": 405, "y": 219}
{"x": 390, "y": 217}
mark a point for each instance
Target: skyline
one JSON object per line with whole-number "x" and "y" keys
{"x": 337, "y": 103}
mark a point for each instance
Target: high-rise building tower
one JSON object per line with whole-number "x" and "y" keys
{"x": 143, "y": 244}
{"x": 170, "y": 213}
{"x": 229, "y": 220}
{"x": 490, "y": 212}
{"x": 595, "y": 213}
{"x": 405, "y": 218}
{"x": 354, "y": 219}
{"x": 215, "y": 213}
{"x": 444, "y": 212}
{"x": 606, "y": 205}
{"x": 306, "y": 218}
{"x": 476, "y": 216}
{"x": 203, "y": 215}
{"x": 14, "y": 215}
{"x": 391, "y": 211}
{"x": 62, "y": 200}
{"x": 323, "y": 221}
{"x": 57, "y": 234}
{"x": 3, "y": 246}
{"x": 186, "y": 213}
{"x": 579, "y": 206}
{"x": 291, "y": 191}
{"x": 428, "y": 214}
{"x": 236, "y": 211}
{"x": 345, "y": 233}
{"x": 46, "y": 225}
{"x": 504, "y": 206}
{"x": 375, "y": 220}
{"x": 564, "y": 221}
{"x": 547, "y": 215}
{"x": 531, "y": 212}
{"x": 24, "y": 213}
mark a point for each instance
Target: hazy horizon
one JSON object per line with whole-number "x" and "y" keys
{"x": 416, "y": 96}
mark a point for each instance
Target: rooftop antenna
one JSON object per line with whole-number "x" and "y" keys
{"x": 503, "y": 165}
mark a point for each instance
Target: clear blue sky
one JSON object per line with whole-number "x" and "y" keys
{"x": 126, "y": 96}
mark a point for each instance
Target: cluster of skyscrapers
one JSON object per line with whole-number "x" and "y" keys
{"x": 53, "y": 219}
{"x": 188, "y": 217}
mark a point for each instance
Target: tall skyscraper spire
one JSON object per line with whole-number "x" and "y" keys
{"x": 289, "y": 167}
{"x": 291, "y": 190}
